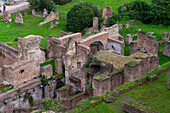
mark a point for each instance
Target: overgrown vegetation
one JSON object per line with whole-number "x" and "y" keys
{"x": 81, "y": 16}
{"x": 62, "y": 2}
{"x": 44, "y": 80}
{"x": 52, "y": 62}
{"x": 155, "y": 12}
{"x": 40, "y": 5}
{"x": 55, "y": 105}
{"x": 132, "y": 63}
{"x": 153, "y": 94}
{"x": 5, "y": 88}
{"x": 29, "y": 98}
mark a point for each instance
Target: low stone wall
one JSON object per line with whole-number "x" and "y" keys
{"x": 1, "y": 77}
{"x": 135, "y": 107}
{"x": 15, "y": 97}
{"x": 62, "y": 33}
{"x": 8, "y": 55}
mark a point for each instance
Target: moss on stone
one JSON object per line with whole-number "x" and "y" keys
{"x": 132, "y": 63}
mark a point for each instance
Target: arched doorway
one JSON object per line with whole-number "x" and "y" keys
{"x": 96, "y": 46}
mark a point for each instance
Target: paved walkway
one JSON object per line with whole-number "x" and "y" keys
{"x": 18, "y": 6}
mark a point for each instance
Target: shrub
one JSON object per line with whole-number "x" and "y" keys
{"x": 81, "y": 16}
{"x": 62, "y": 2}
{"x": 155, "y": 12}
{"x": 40, "y": 5}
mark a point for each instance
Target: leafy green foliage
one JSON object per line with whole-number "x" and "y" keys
{"x": 59, "y": 84}
{"x": 40, "y": 5}
{"x": 55, "y": 105}
{"x": 44, "y": 80}
{"x": 29, "y": 98}
{"x": 81, "y": 16}
{"x": 86, "y": 65}
{"x": 156, "y": 12}
{"x": 62, "y": 2}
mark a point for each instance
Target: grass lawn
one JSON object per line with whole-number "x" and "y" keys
{"x": 153, "y": 94}
{"x": 100, "y": 108}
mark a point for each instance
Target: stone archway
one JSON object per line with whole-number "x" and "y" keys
{"x": 96, "y": 46}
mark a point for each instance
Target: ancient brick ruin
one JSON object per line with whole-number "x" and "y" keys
{"x": 144, "y": 44}
{"x": 96, "y": 60}
{"x": 19, "y": 18}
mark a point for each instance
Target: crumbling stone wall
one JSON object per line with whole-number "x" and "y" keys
{"x": 7, "y": 17}
{"x": 100, "y": 87}
{"x": 19, "y": 18}
{"x": 109, "y": 81}
{"x": 165, "y": 36}
{"x": 47, "y": 71}
{"x": 116, "y": 46}
{"x": 8, "y": 55}
{"x": 167, "y": 48}
{"x": 14, "y": 98}
{"x": 20, "y": 72}
{"x": 62, "y": 33}
{"x": 64, "y": 92}
{"x": 144, "y": 44}
{"x": 102, "y": 37}
{"x": 73, "y": 63}
{"x": 52, "y": 16}
{"x": 1, "y": 76}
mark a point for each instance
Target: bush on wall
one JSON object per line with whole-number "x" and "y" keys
{"x": 81, "y": 16}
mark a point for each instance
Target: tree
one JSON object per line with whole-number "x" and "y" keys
{"x": 40, "y": 5}
{"x": 81, "y": 16}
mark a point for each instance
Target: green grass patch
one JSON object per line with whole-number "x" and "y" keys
{"x": 100, "y": 108}
{"x": 153, "y": 94}
{"x": 132, "y": 63}
{"x": 163, "y": 58}
{"x": 54, "y": 105}
{"x": 162, "y": 47}
{"x": 52, "y": 62}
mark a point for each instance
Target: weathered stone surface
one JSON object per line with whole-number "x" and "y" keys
{"x": 150, "y": 33}
{"x": 165, "y": 36}
{"x": 167, "y": 49}
{"x": 8, "y": 55}
{"x": 7, "y": 17}
{"x": 144, "y": 44}
{"x": 95, "y": 26}
{"x": 45, "y": 13}
{"x": 128, "y": 38}
{"x": 59, "y": 66}
{"x": 19, "y": 18}
{"x": 9, "y": 1}
{"x": 52, "y": 16}
{"x": 1, "y": 76}
{"x": 47, "y": 71}
{"x": 95, "y": 22}
{"x": 30, "y": 48}
{"x": 107, "y": 13}
{"x": 52, "y": 25}
{"x": 138, "y": 30}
